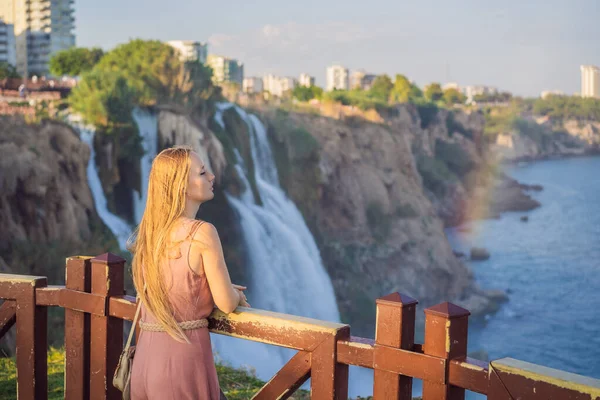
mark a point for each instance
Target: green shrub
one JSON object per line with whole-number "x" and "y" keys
{"x": 435, "y": 174}
{"x": 427, "y": 113}
{"x": 455, "y": 158}
{"x": 379, "y": 222}
{"x": 454, "y": 126}
{"x": 406, "y": 211}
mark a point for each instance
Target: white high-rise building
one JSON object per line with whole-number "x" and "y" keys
{"x": 337, "y": 78}
{"x": 41, "y": 28}
{"x": 360, "y": 79}
{"x": 590, "y": 81}
{"x": 8, "y": 49}
{"x": 306, "y": 80}
{"x": 226, "y": 69}
{"x": 190, "y": 50}
{"x": 477, "y": 90}
{"x": 253, "y": 85}
{"x": 277, "y": 85}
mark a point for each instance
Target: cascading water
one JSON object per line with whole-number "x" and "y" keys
{"x": 147, "y": 126}
{"x": 119, "y": 227}
{"x": 287, "y": 274}
{"x": 148, "y": 129}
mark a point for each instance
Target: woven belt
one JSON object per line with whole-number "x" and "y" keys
{"x": 185, "y": 325}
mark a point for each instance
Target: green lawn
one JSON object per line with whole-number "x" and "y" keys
{"x": 236, "y": 384}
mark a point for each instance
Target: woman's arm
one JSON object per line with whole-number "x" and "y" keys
{"x": 206, "y": 250}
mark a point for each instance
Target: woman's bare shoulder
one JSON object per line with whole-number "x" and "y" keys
{"x": 205, "y": 234}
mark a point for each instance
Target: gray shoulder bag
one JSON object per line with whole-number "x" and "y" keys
{"x": 122, "y": 376}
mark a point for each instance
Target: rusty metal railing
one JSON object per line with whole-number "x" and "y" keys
{"x": 95, "y": 309}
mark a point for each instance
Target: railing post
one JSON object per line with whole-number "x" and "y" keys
{"x": 446, "y": 327}
{"x": 32, "y": 340}
{"x": 77, "y": 332}
{"x": 395, "y": 327}
{"x": 329, "y": 380}
{"x": 106, "y": 338}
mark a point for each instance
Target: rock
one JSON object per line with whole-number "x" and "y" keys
{"x": 524, "y": 218}
{"x": 459, "y": 254}
{"x": 499, "y": 296}
{"x": 479, "y": 254}
{"x": 44, "y": 194}
{"x": 355, "y": 218}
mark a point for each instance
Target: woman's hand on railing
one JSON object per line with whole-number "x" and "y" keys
{"x": 240, "y": 289}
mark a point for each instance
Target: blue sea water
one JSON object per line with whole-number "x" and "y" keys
{"x": 551, "y": 267}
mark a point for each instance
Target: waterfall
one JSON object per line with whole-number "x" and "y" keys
{"x": 286, "y": 270}
{"x": 148, "y": 128}
{"x": 287, "y": 273}
{"x": 119, "y": 227}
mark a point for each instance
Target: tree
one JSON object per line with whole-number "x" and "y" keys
{"x": 381, "y": 88}
{"x": 149, "y": 66}
{"x": 433, "y": 92}
{"x": 104, "y": 99}
{"x": 453, "y": 96}
{"x": 306, "y": 93}
{"x": 75, "y": 61}
{"x": 8, "y": 71}
{"x": 404, "y": 91}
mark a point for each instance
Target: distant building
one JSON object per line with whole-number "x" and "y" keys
{"x": 41, "y": 29}
{"x": 190, "y": 50}
{"x": 361, "y": 80}
{"x": 471, "y": 91}
{"x": 337, "y": 78}
{"x": 452, "y": 85}
{"x": 253, "y": 85}
{"x": 546, "y": 93}
{"x": 8, "y": 48}
{"x": 306, "y": 80}
{"x": 226, "y": 69}
{"x": 590, "y": 81}
{"x": 277, "y": 85}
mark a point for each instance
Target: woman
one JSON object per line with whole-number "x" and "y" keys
{"x": 180, "y": 275}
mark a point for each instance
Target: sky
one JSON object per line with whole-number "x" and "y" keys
{"x": 521, "y": 46}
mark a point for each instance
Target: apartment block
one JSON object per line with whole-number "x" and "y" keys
{"x": 41, "y": 29}
{"x": 190, "y": 50}
{"x": 337, "y": 78}
{"x": 226, "y": 69}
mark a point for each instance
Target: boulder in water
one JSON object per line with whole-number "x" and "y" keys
{"x": 524, "y": 218}
{"x": 479, "y": 254}
{"x": 459, "y": 254}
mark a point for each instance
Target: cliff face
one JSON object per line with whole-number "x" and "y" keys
{"x": 371, "y": 193}
{"x": 46, "y": 208}
{"x": 357, "y": 184}
{"x": 44, "y": 195}
{"x": 542, "y": 141}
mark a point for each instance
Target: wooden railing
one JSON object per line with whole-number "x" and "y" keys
{"x": 95, "y": 309}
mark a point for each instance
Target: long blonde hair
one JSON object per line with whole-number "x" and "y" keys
{"x": 165, "y": 203}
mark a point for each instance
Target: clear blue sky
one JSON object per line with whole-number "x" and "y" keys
{"x": 524, "y": 46}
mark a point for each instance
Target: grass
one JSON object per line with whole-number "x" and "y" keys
{"x": 237, "y": 384}
{"x": 56, "y": 368}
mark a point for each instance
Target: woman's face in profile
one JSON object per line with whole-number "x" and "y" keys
{"x": 200, "y": 181}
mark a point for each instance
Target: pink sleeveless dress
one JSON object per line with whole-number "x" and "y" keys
{"x": 164, "y": 368}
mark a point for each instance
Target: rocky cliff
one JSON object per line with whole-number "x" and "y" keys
{"x": 357, "y": 184}
{"x": 541, "y": 138}
{"x": 46, "y": 208}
